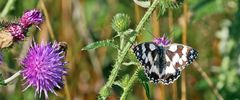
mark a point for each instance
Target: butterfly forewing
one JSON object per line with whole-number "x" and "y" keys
{"x": 179, "y": 55}
{"x": 151, "y": 56}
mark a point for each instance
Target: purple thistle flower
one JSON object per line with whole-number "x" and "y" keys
{"x": 31, "y": 17}
{"x": 17, "y": 31}
{"x": 162, "y": 41}
{"x": 43, "y": 67}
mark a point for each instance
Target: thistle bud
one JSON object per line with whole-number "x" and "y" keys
{"x": 17, "y": 31}
{"x": 120, "y": 22}
{"x": 31, "y": 17}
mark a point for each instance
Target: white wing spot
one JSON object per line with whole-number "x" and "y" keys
{"x": 170, "y": 70}
{"x": 143, "y": 48}
{"x": 137, "y": 48}
{"x": 173, "y": 48}
{"x": 150, "y": 58}
{"x": 152, "y": 47}
{"x": 175, "y": 58}
{"x": 184, "y": 58}
{"x": 180, "y": 61}
{"x": 144, "y": 56}
{"x": 146, "y": 60}
{"x": 137, "y": 53}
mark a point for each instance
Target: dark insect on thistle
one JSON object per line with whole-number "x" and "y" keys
{"x": 163, "y": 61}
{"x": 63, "y": 47}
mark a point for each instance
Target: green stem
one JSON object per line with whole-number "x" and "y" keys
{"x": 129, "y": 85}
{"x": 104, "y": 92}
{"x": 122, "y": 41}
{"x": 7, "y": 8}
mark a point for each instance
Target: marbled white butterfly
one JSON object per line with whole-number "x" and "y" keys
{"x": 163, "y": 61}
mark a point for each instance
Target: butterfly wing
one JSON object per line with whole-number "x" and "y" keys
{"x": 151, "y": 56}
{"x": 177, "y": 56}
{"x": 164, "y": 64}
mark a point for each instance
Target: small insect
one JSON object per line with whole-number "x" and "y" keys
{"x": 163, "y": 61}
{"x": 63, "y": 47}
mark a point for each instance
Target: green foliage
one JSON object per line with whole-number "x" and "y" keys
{"x": 122, "y": 82}
{"x": 2, "y": 83}
{"x": 98, "y": 44}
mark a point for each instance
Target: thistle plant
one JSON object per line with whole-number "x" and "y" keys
{"x": 43, "y": 65}
{"x": 17, "y": 31}
{"x": 126, "y": 37}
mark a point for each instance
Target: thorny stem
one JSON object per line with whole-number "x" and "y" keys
{"x": 104, "y": 92}
{"x": 121, "y": 41}
{"x": 127, "y": 89}
{"x": 7, "y": 8}
{"x": 14, "y": 76}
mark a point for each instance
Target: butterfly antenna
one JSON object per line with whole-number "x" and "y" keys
{"x": 151, "y": 34}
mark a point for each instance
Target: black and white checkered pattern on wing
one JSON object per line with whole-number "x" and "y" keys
{"x": 170, "y": 78}
{"x": 164, "y": 64}
{"x": 192, "y": 55}
{"x": 151, "y": 56}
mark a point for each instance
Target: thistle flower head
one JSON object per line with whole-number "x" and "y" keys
{"x": 31, "y": 17}
{"x": 162, "y": 41}
{"x": 17, "y": 31}
{"x": 43, "y": 67}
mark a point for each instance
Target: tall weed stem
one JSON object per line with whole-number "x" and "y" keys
{"x": 105, "y": 90}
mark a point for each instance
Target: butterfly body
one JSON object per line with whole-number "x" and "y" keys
{"x": 164, "y": 63}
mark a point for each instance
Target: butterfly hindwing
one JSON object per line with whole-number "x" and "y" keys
{"x": 177, "y": 57}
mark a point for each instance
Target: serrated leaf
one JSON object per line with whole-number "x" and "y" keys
{"x": 98, "y": 44}
{"x": 147, "y": 90}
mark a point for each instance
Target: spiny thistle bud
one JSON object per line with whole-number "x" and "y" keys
{"x": 31, "y": 17}
{"x": 6, "y": 39}
{"x": 120, "y": 22}
{"x": 43, "y": 67}
{"x": 17, "y": 31}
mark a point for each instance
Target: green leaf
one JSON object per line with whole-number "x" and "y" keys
{"x": 2, "y": 83}
{"x": 98, "y": 44}
{"x": 122, "y": 82}
{"x": 142, "y": 76}
{"x": 147, "y": 90}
